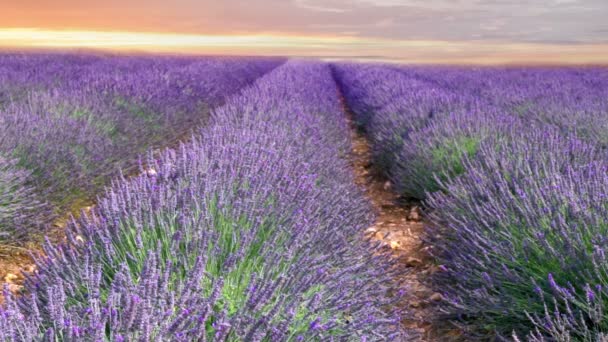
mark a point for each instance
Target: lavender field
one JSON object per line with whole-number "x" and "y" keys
{"x": 218, "y": 199}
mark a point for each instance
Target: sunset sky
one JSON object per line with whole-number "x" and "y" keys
{"x": 467, "y": 31}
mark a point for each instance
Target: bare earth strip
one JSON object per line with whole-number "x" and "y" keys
{"x": 13, "y": 262}
{"x": 400, "y": 226}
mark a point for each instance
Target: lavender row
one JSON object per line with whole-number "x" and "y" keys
{"x": 409, "y": 123}
{"x": 250, "y": 232}
{"x": 541, "y": 220}
{"x": 71, "y": 122}
{"x": 519, "y": 223}
{"x": 521, "y": 232}
{"x": 573, "y": 99}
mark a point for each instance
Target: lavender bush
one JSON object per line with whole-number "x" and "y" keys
{"x": 436, "y": 153}
{"x": 524, "y": 223}
{"x": 252, "y": 232}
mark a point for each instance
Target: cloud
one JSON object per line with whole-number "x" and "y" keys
{"x": 318, "y": 6}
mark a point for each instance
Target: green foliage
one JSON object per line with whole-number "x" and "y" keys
{"x": 448, "y": 158}
{"x": 427, "y": 162}
{"x": 139, "y": 111}
{"x": 104, "y": 126}
{"x": 177, "y": 244}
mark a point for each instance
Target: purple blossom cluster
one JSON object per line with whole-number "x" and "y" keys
{"x": 252, "y": 231}
{"x": 73, "y": 121}
{"x": 515, "y": 191}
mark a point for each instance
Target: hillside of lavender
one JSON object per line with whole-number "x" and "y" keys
{"x": 222, "y": 203}
{"x": 511, "y": 166}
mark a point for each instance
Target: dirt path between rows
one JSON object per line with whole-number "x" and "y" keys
{"x": 13, "y": 262}
{"x": 399, "y": 225}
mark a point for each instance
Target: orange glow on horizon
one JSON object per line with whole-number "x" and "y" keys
{"x": 411, "y": 51}
{"x": 26, "y": 37}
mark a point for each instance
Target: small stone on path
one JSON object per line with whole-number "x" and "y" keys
{"x": 387, "y": 185}
{"x": 414, "y": 214}
{"x": 413, "y": 262}
{"x": 436, "y": 297}
{"x": 9, "y": 278}
{"x": 14, "y": 288}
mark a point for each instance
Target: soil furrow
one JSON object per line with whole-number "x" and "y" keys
{"x": 400, "y": 226}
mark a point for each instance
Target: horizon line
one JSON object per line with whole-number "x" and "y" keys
{"x": 307, "y": 46}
